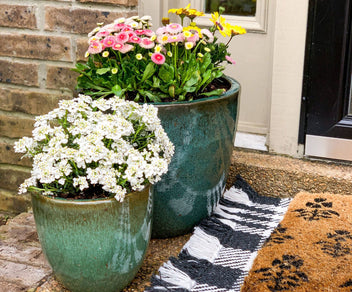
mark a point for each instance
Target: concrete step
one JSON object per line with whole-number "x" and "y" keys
{"x": 275, "y": 175}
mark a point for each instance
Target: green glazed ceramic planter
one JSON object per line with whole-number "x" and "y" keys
{"x": 203, "y": 134}
{"x": 94, "y": 245}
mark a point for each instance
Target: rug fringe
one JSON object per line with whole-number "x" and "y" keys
{"x": 174, "y": 276}
{"x": 202, "y": 245}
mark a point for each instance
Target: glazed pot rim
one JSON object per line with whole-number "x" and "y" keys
{"x": 235, "y": 87}
{"x": 87, "y": 201}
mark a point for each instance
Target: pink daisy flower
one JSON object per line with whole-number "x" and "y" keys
{"x": 109, "y": 41}
{"x": 126, "y": 48}
{"x": 176, "y": 38}
{"x": 174, "y": 28}
{"x": 208, "y": 34}
{"x": 158, "y": 58}
{"x": 139, "y": 31}
{"x": 162, "y": 39}
{"x": 146, "y": 43}
{"x": 148, "y": 32}
{"x": 135, "y": 39}
{"x": 95, "y": 47}
{"x": 119, "y": 26}
{"x": 103, "y": 33}
{"x": 122, "y": 37}
{"x": 131, "y": 34}
{"x": 109, "y": 27}
{"x": 194, "y": 38}
{"x": 228, "y": 58}
{"x": 161, "y": 30}
{"x": 127, "y": 28}
{"x": 117, "y": 46}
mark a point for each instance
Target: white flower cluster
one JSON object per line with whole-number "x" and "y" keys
{"x": 117, "y": 144}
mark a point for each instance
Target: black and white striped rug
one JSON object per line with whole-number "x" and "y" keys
{"x": 223, "y": 246}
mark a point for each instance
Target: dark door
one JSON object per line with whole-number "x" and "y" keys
{"x": 327, "y": 127}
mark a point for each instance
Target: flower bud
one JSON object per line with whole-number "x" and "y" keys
{"x": 165, "y": 20}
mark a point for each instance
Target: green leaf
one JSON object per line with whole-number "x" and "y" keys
{"x": 150, "y": 95}
{"x": 102, "y": 71}
{"x": 214, "y": 92}
{"x": 206, "y": 62}
{"x": 166, "y": 72}
{"x": 193, "y": 80}
{"x": 149, "y": 71}
{"x": 156, "y": 82}
{"x": 217, "y": 74}
{"x": 117, "y": 90}
{"x": 190, "y": 89}
{"x": 205, "y": 77}
{"x": 81, "y": 67}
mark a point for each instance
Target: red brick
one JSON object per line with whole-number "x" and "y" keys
{"x": 113, "y": 2}
{"x": 14, "y": 204}
{"x": 15, "y": 127}
{"x": 18, "y": 73}
{"x": 28, "y": 101}
{"x": 77, "y": 20}
{"x": 17, "y": 16}
{"x": 11, "y": 178}
{"x": 61, "y": 78}
{"x": 9, "y": 156}
{"x": 82, "y": 46}
{"x": 36, "y": 47}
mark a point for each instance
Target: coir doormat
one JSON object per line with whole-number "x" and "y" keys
{"x": 222, "y": 248}
{"x": 311, "y": 250}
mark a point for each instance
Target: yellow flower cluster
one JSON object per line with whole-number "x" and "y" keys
{"x": 225, "y": 28}
{"x": 193, "y": 27}
{"x": 190, "y": 13}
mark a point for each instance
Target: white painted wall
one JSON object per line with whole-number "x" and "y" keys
{"x": 253, "y": 53}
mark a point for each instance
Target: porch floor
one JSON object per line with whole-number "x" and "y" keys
{"x": 24, "y": 268}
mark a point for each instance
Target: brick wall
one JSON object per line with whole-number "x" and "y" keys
{"x": 40, "y": 40}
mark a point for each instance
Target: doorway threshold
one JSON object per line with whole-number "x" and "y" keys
{"x": 250, "y": 141}
{"x": 328, "y": 147}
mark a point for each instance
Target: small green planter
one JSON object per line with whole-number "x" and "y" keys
{"x": 203, "y": 133}
{"x": 94, "y": 245}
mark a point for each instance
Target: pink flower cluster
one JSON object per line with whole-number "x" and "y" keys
{"x": 175, "y": 33}
{"x": 120, "y": 36}
{"x": 124, "y": 34}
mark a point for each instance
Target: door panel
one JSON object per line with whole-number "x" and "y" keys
{"x": 327, "y": 80}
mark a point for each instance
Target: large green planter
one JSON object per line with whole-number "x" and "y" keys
{"x": 203, "y": 134}
{"x": 94, "y": 245}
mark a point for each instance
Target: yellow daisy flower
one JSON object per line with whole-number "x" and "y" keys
{"x": 220, "y": 23}
{"x": 193, "y": 27}
{"x": 180, "y": 11}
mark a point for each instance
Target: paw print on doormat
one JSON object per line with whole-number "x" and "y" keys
{"x": 284, "y": 273}
{"x": 337, "y": 244}
{"x": 317, "y": 210}
{"x": 347, "y": 284}
{"x": 278, "y": 236}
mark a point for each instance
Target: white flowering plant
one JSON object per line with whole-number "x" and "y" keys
{"x": 89, "y": 148}
{"x": 173, "y": 63}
